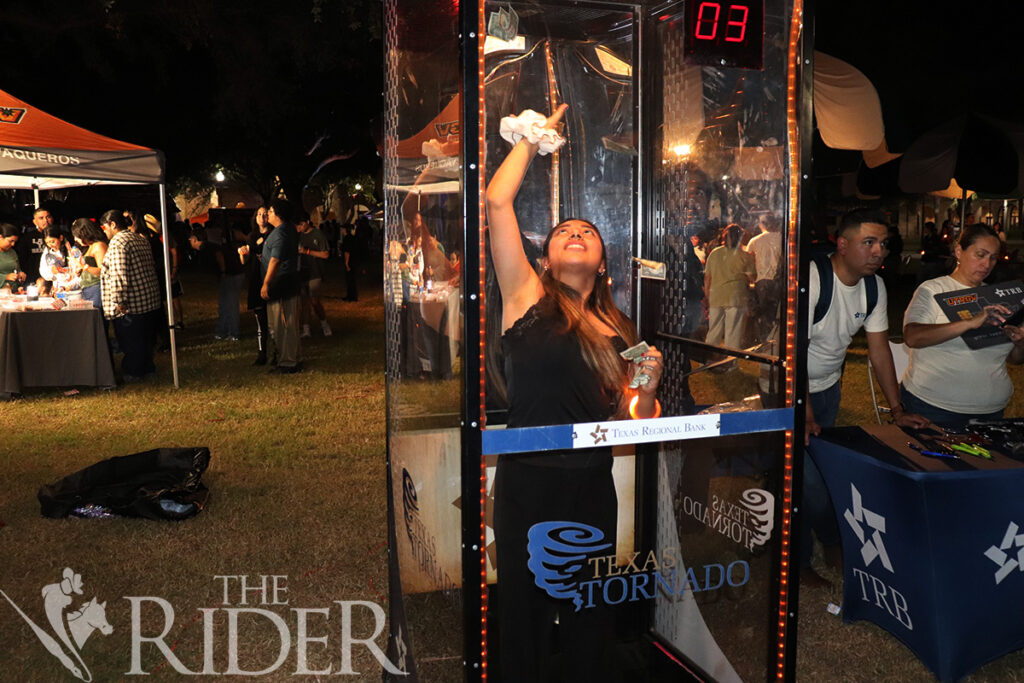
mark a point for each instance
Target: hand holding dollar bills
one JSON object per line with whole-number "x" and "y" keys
{"x": 638, "y": 354}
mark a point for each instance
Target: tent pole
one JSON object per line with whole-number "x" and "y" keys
{"x": 167, "y": 281}
{"x": 963, "y": 212}
{"x": 35, "y": 196}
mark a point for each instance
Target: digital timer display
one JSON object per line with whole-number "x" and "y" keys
{"x": 728, "y": 33}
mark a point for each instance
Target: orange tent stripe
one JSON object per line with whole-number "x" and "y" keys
{"x": 22, "y": 125}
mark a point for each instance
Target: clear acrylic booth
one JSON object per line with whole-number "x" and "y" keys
{"x": 685, "y": 118}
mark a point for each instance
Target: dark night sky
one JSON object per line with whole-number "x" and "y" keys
{"x": 209, "y": 80}
{"x": 255, "y": 82}
{"x": 930, "y": 61}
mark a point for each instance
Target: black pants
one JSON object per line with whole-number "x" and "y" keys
{"x": 352, "y": 293}
{"x": 135, "y": 335}
{"x": 531, "y": 647}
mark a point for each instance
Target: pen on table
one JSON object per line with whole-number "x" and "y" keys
{"x": 934, "y": 454}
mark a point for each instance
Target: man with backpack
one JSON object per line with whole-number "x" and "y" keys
{"x": 844, "y": 295}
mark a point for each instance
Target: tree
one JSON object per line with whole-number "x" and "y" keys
{"x": 265, "y": 89}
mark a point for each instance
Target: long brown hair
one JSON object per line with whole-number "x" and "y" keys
{"x": 598, "y": 351}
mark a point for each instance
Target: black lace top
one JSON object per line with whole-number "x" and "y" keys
{"x": 549, "y": 381}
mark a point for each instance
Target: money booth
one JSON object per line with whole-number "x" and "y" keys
{"x": 686, "y": 137}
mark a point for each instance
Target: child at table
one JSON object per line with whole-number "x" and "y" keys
{"x": 61, "y": 264}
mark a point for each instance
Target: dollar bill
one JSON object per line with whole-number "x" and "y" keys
{"x": 503, "y": 24}
{"x": 633, "y": 353}
{"x": 639, "y": 379}
{"x": 653, "y": 270}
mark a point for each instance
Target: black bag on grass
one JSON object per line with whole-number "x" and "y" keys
{"x": 159, "y": 484}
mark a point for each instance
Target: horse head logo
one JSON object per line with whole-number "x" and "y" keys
{"x": 91, "y": 617}
{"x": 70, "y": 630}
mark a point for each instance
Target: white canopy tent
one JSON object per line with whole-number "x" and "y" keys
{"x": 39, "y": 151}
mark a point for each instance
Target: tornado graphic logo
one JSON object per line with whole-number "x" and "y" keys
{"x": 557, "y": 552}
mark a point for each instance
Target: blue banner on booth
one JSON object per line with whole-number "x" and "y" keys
{"x": 611, "y": 433}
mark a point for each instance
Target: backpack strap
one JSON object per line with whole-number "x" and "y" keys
{"x": 824, "y": 265}
{"x": 871, "y": 289}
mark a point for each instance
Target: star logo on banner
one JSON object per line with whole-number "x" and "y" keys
{"x": 1004, "y": 555}
{"x": 871, "y": 545}
{"x": 599, "y": 434}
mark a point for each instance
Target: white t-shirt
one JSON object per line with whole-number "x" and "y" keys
{"x": 951, "y": 375}
{"x": 767, "y": 251}
{"x": 830, "y": 338}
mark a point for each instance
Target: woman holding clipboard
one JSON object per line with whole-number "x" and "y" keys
{"x": 948, "y": 382}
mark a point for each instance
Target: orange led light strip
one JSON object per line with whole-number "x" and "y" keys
{"x": 555, "y": 156}
{"x": 481, "y": 184}
{"x": 795, "y": 29}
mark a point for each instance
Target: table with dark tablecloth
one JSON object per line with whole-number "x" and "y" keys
{"x": 933, "y": 549}
{"x": 53, "y": 349}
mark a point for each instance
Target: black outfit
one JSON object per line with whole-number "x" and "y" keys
{"x": 935, "y": 259}
{"x": 932, "y": 248}
{"x": 160, "y": 325}
{"x": 255, "y": 302}
{"x": 549, "y": 382}
{"x": 206, "y": 259}
{"x": 30, "y": 247}
{"x": 891, "y": 264}
{"x": 350, "y": 248}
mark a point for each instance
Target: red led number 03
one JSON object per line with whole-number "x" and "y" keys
{"x": 708, "y": 15}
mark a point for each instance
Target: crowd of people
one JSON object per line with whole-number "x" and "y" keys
{"x": 117, "y": 263}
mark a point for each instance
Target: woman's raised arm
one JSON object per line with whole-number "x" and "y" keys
{"x": 520, "y": 286}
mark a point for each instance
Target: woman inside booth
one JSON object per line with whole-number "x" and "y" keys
{"x": 727, "y": 276}
{"x": 948, "y": 382}
{"x": 561, "y": 338}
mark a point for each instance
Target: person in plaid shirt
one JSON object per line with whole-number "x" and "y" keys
{"x": 131, "y": 295}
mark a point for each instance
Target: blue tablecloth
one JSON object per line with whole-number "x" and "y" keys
{"x": 933, "y": 550}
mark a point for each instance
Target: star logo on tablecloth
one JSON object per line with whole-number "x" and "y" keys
{"x": 599, "y": 434}
{"x": 871, "y": 546}
{"x": 1005, "y": 556}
